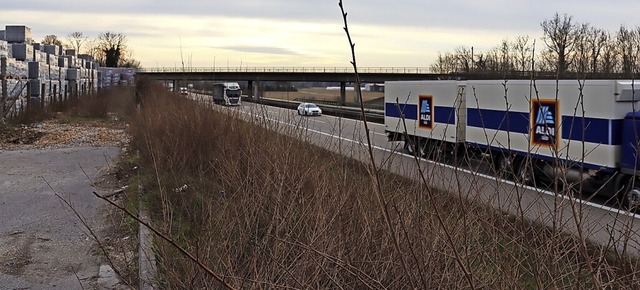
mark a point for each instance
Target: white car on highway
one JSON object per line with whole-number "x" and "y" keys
{"x": 309, "y": 109}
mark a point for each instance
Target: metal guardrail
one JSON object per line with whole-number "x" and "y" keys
{"x": 376, "y": 116}
{"x": 380, "y": 70}
{"x": 373, "y": 115}
{"x": 336, "y": 103}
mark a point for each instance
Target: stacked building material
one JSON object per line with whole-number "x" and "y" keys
{"x": 18, "y": 34}
{"x": 111, "y": 76}
{"x": 40, "y": 74}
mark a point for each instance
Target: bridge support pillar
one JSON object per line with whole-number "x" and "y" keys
{"x": 250, "y": 93}
{"x": 343, "y": 93}
{"x": 257, "y": 90}
{"x": 175, "y": 85}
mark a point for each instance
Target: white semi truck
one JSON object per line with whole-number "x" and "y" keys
{"x": 228, "y": 94}
{"x": 583, "y": 134}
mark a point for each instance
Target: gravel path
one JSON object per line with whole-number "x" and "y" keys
{"x": 43, "y": 244}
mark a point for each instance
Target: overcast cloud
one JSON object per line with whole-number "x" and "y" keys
{"x": 308, "y": 32}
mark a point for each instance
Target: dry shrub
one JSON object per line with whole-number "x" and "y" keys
{"x": 116, "y": 100}
{"x": 266, "y": 210}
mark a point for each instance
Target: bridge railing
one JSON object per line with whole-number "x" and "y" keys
{"x": 380, "y": 70}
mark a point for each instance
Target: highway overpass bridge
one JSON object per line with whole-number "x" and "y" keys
{"x": 254, "y": 75}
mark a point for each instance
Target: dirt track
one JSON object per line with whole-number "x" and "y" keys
{"x": 43, "y": 244}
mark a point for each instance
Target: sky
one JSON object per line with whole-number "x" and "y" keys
{"x": 307, "y": 33}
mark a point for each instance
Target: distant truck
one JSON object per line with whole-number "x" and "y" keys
{"x": 184, "y": 91}
{"x": 228, "y": 94}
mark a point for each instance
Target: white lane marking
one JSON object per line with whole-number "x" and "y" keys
{"x": 550, "y": 193}
{"x": 356, "y": 121}
{"x": 317, "y": 121}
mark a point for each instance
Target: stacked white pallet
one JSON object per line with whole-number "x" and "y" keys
{"x": 52, "y": 49}
{"x": 117, "y": 76}
{"x": 36, "y": 70}
{"x": 53, "y": 60}
{"x": 18, "y": 34}
{"x": 4, "y": 49}
{"x": 53, "y": 72}
{"x": 22, "y": 51}
{"x": 95, "y": 80}
{"x": 13, "y": 87}
{"x": 107, "y": 77}
{"x": 17, "y": 69}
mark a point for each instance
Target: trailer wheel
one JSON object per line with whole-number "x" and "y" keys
{"x": 504, "y": 165}
{"x": 424, "y": 149}
{"x": 409, "y": 148}
{"x": 525, "y": 172}
{"x": 440, "y": 152}
{"x": 457, "y": 152}
{"x": 629, "y": 192}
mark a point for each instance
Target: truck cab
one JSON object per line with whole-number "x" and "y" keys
{"x": 227, "y": 93}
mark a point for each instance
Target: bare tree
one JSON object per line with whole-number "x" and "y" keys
{"x": 505, "y": 57}
{"x": 610, "y": 55}
{"x": 492, "y": 60}
{"x": 112, "y": 45}
{"x": 546, "y": 61}
{"x": 93, "y": 49}
{"x": 77, "y": 39}
{"x": 464, "y": 59}
{"x": 581, "y": 58}
{"x": 597, "y": 39}
{"x": 628, "y": 43}
{"x": 560, "y": 38}
{"x": 481, "y": 62}
{"x": 589, "y": 46}
{"x": 51, "y": 39}
{"x": 444, "y": 64}
{"x": 127, "y": 60}
{"x": 521, "y": 51}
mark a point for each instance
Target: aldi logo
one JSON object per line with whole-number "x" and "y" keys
{"x": 425, "y": 113}
{"x": 544, "y": 122}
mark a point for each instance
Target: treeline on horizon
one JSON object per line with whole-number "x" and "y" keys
{"x": 569, "y": 50}
{"x": 109, "y": 49}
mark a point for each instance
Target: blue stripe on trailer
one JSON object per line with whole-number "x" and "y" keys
{"x": 396, "y": 110}
{"x": 593, "y": 130}
{"x": 517, "y": 122}
{"x": 616, "y": 132}
{"x": 444, "y": 115}
{"x": 600, "y": 131}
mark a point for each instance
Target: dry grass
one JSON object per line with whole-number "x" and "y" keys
{"x": 266, "y": 210}
{"x": 115, "y": 100}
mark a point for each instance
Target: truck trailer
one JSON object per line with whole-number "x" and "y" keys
{"x": 228, "y": 94}
{"x": 581, "y": 134}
